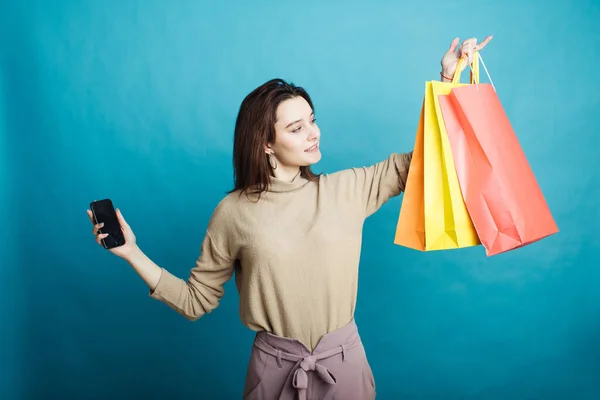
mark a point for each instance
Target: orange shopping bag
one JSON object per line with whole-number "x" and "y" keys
{"x": 433, "y": 215}
{"x": 501, "y": 193}
{"x": 410, "y": 230}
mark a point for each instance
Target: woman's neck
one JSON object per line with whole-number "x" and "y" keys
{"x": 286, "y": 174}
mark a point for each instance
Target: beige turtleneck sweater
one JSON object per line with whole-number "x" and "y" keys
{"x": 295, "y": 252}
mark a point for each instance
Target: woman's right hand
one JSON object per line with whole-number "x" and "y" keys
{"x": 123, "y": 251}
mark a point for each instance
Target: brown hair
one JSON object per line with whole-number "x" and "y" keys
{"x": 255, "y": 128}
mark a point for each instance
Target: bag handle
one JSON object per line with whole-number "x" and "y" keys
{"x": 474, "y": 70}
{"x": 486, "y": 71}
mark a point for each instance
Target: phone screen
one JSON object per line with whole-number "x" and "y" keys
{"x": 104, "y": 211}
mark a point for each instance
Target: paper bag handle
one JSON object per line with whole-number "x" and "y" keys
{"x": 474, "y": 67}
{"x": 478, "y": 56}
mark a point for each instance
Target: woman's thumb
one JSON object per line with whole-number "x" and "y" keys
{"x": 121, "y": 218}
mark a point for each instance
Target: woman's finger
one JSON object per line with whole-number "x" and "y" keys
{"x": 97, "y": 227}
{"x": 90, "y": 216}
{"x": 467, "y": 52}
{"x": 121, "y": 219}
{"x": 470, "y": 55}
{"x": 468, "y": 44}
{"x": 100, "y": 237}
{"x": 453, "y": 45}
{"x": 464, "y": 50}
{"x": 481, "y": 45}
{"x": 471, "y": 41}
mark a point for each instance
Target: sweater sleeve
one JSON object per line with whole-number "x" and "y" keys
{"x": 377, "y": 183}
{"x": 201, "y": 292}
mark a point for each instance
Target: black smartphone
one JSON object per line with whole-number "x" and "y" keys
{"x": 104, "y": 211}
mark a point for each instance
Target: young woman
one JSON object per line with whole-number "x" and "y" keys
{"x": 293, "y": 240}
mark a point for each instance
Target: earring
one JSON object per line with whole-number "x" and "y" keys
{"x": 272, "y": 161}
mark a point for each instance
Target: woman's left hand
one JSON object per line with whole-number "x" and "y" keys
{"x": 450, "y": 59}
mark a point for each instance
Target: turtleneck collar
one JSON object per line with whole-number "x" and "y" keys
{"x": 277, "y": 185}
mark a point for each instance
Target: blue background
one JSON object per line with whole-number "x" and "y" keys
{"x": 136, "y": 101}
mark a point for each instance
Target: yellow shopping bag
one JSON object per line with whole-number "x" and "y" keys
{"x": 433, "y": 215}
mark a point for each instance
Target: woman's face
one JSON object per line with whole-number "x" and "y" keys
{"x": 296, "y": 136}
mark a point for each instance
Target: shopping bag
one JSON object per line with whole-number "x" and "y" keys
{"x": 433, "y": 215}
{"x": 410, "y": 230}
{"x": 504, "y": 200}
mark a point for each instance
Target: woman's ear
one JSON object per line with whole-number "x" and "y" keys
{"x": 268, "y": 149}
